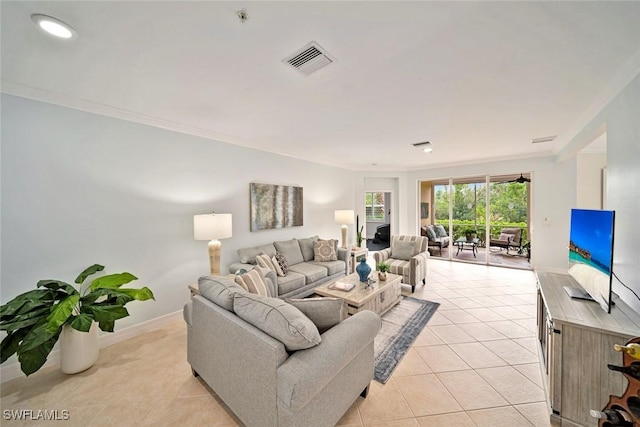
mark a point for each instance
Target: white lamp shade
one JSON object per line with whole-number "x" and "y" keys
{"x": 212, "y": 226}
{"x": 344, "y": 217}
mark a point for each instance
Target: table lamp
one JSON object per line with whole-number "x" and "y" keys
{"x": 212, "y": 227}
{"x": 344, "y": 217}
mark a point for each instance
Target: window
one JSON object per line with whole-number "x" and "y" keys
{"x": 374, "y": 205}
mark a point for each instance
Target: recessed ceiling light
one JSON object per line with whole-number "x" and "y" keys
{"x": 54, "y": 26}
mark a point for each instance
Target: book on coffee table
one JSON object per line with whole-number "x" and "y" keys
{"x": 341, "y": 286}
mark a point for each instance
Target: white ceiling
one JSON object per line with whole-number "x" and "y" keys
{"x": 478, "y": 79}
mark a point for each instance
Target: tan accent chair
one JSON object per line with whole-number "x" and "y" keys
{"x": 413, "y": 269}
{"x": 510, "y": 238}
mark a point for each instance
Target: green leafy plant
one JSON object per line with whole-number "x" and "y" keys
{"x": 383, "y": 267}
{"x": 468, "y": 231}
{"x": 34, "y": 320}
{"x": 359, "y": 229}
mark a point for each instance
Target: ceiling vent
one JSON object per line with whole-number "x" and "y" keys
{"x": 543, "y": 139}
{"x": 310, "y": 58}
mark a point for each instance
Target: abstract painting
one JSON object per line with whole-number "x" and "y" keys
{"x": 275, "y": 206}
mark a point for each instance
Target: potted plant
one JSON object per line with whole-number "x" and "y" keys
{"x": 359, "y": 230}
{"x": 36, "y": 319}
{"x": 469, "y": 233}
{"x": 382, "y": 268}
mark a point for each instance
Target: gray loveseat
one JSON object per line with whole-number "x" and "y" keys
{"x": 304, "y": 273}
{"x": 258, "y": 377}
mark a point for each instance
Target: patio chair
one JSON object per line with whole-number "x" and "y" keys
{"x": 437, "y": 236}
{"x": 510, "y": 238}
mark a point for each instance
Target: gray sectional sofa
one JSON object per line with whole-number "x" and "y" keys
{"x": 258, "y": 376}
{"x": 304, "y": 273}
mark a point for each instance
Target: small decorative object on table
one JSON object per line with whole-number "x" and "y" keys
{"x": 368, "y": 284}
{"x": 363, "y": 270}
{"x": 382, "y": 268}
{"x": 342, "y": 286}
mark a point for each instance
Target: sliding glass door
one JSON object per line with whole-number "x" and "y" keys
{"x": 509, "y": 214}
{"x": 485, "y": 219}
{"x": 468, "y": 203}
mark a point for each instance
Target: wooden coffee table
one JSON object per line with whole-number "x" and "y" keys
{"x": 379, "y": 298}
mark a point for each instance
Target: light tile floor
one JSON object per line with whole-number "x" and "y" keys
{"x": 475, "y": 364}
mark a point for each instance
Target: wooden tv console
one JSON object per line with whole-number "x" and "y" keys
{"x": 576, "y": 340}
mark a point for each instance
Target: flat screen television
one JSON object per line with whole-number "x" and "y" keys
{"x": 591, "y": 254}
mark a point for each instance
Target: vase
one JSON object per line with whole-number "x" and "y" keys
{"x": 363, "y": 270}
{"x": 382, "y": 275}
{"x": 78, "y": 350}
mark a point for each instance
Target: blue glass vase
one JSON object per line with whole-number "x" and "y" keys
{"x": 363, "y": 270}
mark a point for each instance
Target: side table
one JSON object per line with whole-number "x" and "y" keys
{"x": 194, "y": 289}
{"x": 355, "y": 256}
{"x": 463, "y": 244}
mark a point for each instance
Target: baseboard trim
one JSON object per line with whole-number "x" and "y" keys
{"x": 12, "y": 371}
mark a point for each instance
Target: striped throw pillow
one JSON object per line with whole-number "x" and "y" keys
{"x": 254, "y": 282}
{"x": 264, "y": 261}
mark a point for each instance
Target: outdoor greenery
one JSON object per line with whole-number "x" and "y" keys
{"x": 508, "y": 207}
{"x": 374, "y": 206}
{"x": 34, "y": 320}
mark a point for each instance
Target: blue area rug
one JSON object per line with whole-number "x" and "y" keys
{"x": 400, "y": 327}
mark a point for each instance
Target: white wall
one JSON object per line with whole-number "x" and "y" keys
{"x": 622, "y": 118}
{"x": 589, "y": 180}
{"x": 79, "y": 188}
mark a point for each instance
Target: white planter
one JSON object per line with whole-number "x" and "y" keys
{"x": 78, "y": 350}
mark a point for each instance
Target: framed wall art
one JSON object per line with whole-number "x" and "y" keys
{"x": 424, "y": 210}
{"x": 275, "y": 206}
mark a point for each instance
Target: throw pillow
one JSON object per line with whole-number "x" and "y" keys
{"x": 440, "y": 231}
{"x": 431, "y": 234}
{"x": 325, "y": 250}
{"x": 290, "y": 249}
{"x": 403, "y": 250}
{"x": 306, "y": 246}
{"x": 248, "y": 255}
{"x": 505, "y": 236}
{"x": 275, "y": 317}
{"x": 254, "y": 282}
{"x": 264, "y": 261}
{"x": 219, "y": 290}
{"x": 325, "y": 313}
{"x": 280, "y": 264}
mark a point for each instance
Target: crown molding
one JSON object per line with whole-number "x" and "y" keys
{"x": 74, "y": 103}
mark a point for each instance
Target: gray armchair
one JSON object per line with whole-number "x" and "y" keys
{"x": 407, "y": 257}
